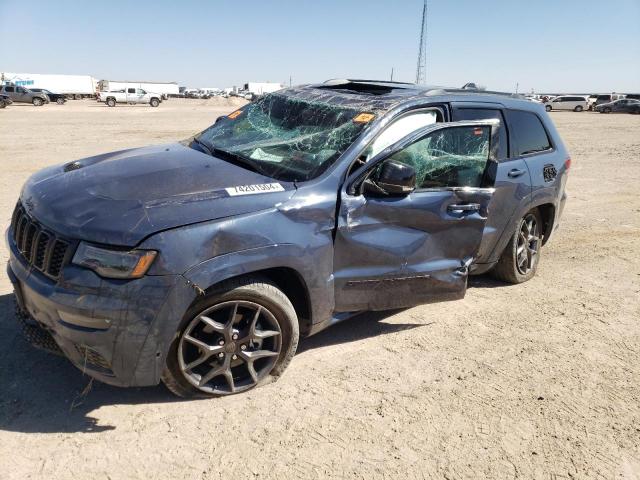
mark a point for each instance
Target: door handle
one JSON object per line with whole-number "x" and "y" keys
{"x": 464, "y": 208}
{"x": 515, "y": 173}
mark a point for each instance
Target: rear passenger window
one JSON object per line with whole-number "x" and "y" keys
{"x": 527, "y": 129}
{"x": 8, "y": 89}
{"x": 131, "y": 90}
{"x": 487, "y": 114}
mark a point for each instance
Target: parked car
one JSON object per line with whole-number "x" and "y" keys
{"x": 24, "y": 95}
{"x": 623, "y": 105}
{"x": 59, "y": 98}
{"x": 201, "y": 263}
{"x": 130, "y": 96}
{"x": 567, "y": 102}
{"x": 606, "y": 99}
{"x": 5, "y": 100}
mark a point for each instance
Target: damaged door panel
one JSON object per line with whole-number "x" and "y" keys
{"x": 404, "y": 249}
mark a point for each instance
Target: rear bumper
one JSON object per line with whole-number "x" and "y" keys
{"x": 116, "y": 331}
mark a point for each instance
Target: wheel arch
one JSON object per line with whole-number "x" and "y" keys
{"x": 287, "y": 279}
{"x": 548, "y": 214}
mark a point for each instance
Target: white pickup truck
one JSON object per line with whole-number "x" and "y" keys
{"x": 130, "y": 96}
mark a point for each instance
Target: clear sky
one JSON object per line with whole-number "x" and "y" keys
{"x": 549, "y": 45}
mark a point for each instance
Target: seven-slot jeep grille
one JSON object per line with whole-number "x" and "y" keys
{"x": 41, "y": 248}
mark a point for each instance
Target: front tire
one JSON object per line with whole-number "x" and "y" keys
{"x": 606, "y": 110}
{"x": 239, "y": 336}
{"x": 519, "y": 260}
{"x": 37, "y": 102}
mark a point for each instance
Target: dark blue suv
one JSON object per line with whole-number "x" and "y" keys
{"x": 201, "y": 263}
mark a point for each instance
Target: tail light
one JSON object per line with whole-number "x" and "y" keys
{"x": 567, "y": 163}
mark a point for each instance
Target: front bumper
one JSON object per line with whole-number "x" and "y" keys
{"x": 137, "y": 318}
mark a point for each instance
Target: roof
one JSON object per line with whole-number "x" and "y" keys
{"x": 380, "y": 95}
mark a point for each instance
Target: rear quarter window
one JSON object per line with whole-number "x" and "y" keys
{"x": 529, "y": 133}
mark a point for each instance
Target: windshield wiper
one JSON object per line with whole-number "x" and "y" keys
{"x": 239, "y": 160}
{"x": 204, "y": 146}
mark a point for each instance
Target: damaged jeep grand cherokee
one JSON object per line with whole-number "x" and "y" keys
{"x": 201, "y": 263}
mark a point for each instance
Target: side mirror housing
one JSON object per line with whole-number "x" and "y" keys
{"x": 396, "y": 178}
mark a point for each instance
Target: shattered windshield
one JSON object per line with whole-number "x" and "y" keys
{"x": 284, "y": 137}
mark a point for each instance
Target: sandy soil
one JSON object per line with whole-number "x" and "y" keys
{"x": 536, "y": 381}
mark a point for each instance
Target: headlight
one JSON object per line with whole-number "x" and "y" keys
{"x": 114, "y": 263}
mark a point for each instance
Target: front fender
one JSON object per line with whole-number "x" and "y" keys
{"x": 303, "y": 260}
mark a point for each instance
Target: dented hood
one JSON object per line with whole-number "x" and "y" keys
{"x": 122, "y": 197}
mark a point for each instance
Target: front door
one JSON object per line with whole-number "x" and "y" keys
{"x": 140, "y": 94}
{"x": 399, "y": 249}
{"x": 22, "y": 96}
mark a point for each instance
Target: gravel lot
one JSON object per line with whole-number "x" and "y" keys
{"x": 535, "y": 381}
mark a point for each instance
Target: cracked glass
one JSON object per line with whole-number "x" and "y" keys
{"x": 287, "y": 138}
{"x": 452, "y": 157}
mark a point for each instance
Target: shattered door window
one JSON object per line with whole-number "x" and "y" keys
{"x": 286, "y": 138}
{"x": 452, "y": 157}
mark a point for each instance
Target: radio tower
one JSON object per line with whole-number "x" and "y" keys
{"x": 421, "y": 70}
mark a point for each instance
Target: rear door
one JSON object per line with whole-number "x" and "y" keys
{"x": 131, "y": 95}
{"x": 532, "y": 143}
{"x": 513, "y": 181}
{"x": 400, "y": 250}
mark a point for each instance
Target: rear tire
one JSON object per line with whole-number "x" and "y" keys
{"x": 111, "y": 102}
{"x": 267, "y": 343}
{"x": 37, "y": 102}
{"x": 578, "y": 108}
{"x": 2, "y": 104}
{"x": 519, "y": 260}
{"x": 60, "y": 101}
{"x": 154, "y": 102}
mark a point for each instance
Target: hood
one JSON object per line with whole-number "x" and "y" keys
{"x": 122, "y": 197}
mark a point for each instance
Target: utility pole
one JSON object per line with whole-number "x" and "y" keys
{"x": 421, "y": 70}
{"x": 392, "y": 74}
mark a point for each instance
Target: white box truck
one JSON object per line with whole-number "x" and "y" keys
{"x": 163, "y": 88}
{"x": 262, "y": 88}
{"x": 73, "y": 86}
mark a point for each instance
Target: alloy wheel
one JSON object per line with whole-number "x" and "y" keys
{"x": 230, "y": 347}
{"x": 528, "y": 244}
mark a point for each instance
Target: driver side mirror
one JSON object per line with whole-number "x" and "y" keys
{"x": 395, "y": 178}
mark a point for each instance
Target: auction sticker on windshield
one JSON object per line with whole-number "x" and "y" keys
{"x": 252, "y": 189}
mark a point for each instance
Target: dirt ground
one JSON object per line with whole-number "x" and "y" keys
{"x": 535, "y": 381}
